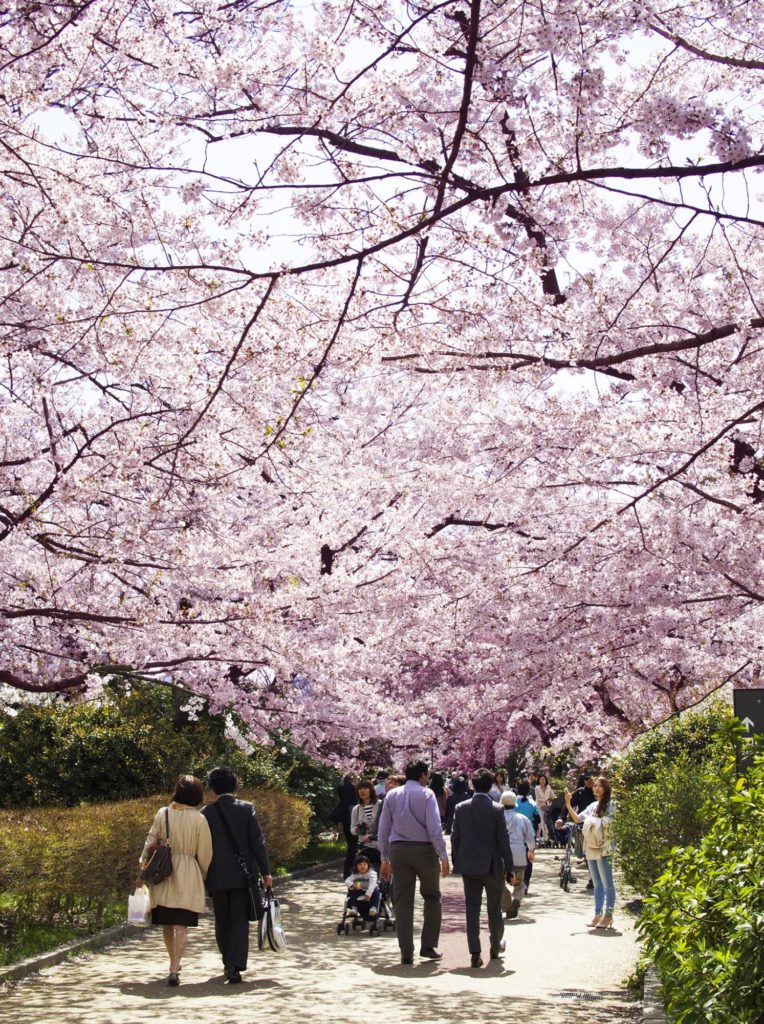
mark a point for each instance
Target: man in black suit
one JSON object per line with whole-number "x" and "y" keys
{"x": 226, "y": 882}
{"x": 482, "y": 855}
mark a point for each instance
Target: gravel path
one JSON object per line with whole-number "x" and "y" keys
{"x": 555, "y": 970}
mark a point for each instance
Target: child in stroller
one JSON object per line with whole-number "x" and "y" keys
{"x": 366, "y": 901}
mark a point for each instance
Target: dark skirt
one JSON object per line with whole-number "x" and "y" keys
{"x": 174, "y": 915}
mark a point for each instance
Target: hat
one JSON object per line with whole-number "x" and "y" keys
{"x": 508, "y": 799}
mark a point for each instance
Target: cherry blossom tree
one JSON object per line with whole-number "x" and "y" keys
{"x": 385, "y": 370}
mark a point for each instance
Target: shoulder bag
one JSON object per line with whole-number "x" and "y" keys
{"x": 256, "y": 904}
{"x": 159, "y": 865}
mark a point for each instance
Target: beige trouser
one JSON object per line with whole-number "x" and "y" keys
{"x": 412, "y": 861}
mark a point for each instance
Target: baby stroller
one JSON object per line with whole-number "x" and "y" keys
{"x": 384, "y": 919}
{"x": 566, "y": 867}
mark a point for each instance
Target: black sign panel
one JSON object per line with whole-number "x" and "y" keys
{"x": 749, "y": 708}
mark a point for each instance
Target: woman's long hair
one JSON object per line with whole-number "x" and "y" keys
{"x": 604, "y": 800}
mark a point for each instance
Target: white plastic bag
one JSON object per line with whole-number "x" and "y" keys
{"x": 139, "y": 908}
{"x": 270, "y": 927}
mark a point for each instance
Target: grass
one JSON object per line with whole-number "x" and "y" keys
{"x": 319, "y": 851}
{"x": 21, "y": 939}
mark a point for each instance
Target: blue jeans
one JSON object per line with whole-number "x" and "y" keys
{"x": 604, "y": 886}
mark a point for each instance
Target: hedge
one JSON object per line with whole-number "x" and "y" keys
{"x": 72, "y": 864}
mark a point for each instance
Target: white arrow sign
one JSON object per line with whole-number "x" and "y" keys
{"x": 748, "y": 724}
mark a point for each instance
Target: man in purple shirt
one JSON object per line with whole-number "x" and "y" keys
{"x": 412, "y": 847}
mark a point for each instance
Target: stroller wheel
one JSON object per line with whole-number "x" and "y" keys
{"x": 355, "y": 923}
{"x": 340, "y": 928}
{"x": 347, "y": 929}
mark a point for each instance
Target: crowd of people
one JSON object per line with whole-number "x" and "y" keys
{"x": 395, "y": 827}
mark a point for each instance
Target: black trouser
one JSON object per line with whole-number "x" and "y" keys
{"x": 473, "y": 897}
{"x": 351, "y": 851}
{"x": 232, "y": 926}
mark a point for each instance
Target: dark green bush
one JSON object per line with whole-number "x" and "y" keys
{"x": 666, "y": 786}
{"x": 131, "y": 743}
{"x": 675, "y": 810}
{"x": 703, "y": 922}
{"x": 698, "y": 736}
{"x": 310, "y": 779}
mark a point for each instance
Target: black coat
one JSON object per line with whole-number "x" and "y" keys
{"x": 479, "y": 840}
{"x": 225, "y": 871}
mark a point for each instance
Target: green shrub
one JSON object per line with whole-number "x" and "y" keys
{"x": 703, "y": 922}
{"x": 71, "y": 864}
{"x": 666, "y": 785}
{"x": 698, "y": 736}
{"x": 674, "y": 810}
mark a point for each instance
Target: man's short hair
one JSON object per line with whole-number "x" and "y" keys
{"x": 523, "y": 788}
{"x": 222, "y": 780}
{"x": 587, "y": 775}
{"x": 415, "y": 770}
{"x": 482, "y": 780}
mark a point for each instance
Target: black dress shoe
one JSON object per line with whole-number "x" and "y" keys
{"x": 407, "y": 960}
{"x": 477, "y": 960}
{"x": 234, "y": 977}
{"x": 429, "y": 953}
{"x": 496, "y": 951}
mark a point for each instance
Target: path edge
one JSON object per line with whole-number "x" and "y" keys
{"x": 652, "y": 1001}
{"x": 121, "y": 932}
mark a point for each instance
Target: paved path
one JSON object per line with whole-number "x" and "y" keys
{"x": 552, "y": 961}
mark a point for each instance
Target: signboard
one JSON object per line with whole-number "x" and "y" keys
{"x": 749, "y": 708}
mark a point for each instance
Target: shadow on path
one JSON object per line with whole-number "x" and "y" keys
{"x": 548, "y": 975}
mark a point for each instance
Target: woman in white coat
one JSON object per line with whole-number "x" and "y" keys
{"x": 598, "y": 849}
{"x": 177, "y": 901}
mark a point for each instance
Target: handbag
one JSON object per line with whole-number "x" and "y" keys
{"x": 594, "y": 832}
{"x": 159, "y": 865}
{"x": 139, "y": 908}
{"x": 270, "y": 933}
{"x": 254, "y": 889}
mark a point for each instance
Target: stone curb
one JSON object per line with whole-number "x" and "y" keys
{"x": 652, "y": 1003}
{"x": 16, "y": 972}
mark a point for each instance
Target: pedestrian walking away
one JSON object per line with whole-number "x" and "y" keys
{"x": 482, "y": 855}
{"x": 347, "y": 798}
{"x": 412, "y": 847}
{"x": 178, "y": 899}
{"x": 522, "y": 842}
{"x": 231, "y": 819}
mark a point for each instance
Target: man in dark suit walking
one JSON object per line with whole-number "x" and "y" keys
{"x": 226, "y": 882}
{"x": 482, "y": 855}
